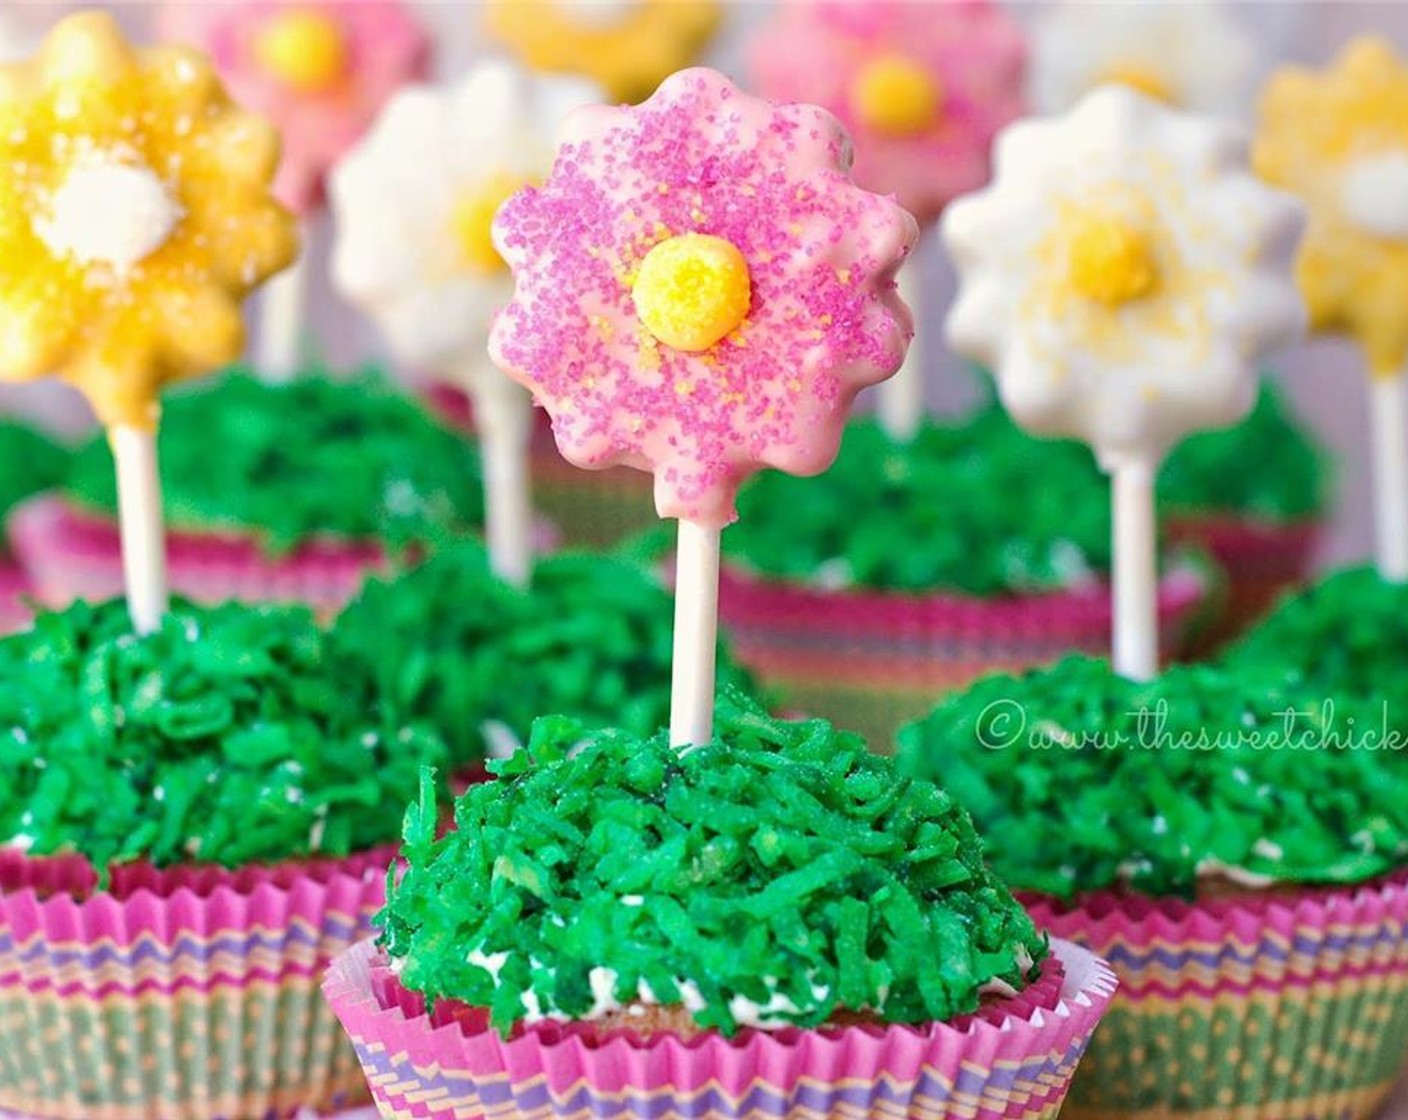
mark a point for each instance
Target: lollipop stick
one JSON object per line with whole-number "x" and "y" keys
{"x": 901, "y": 404}
{"x": 1136, "y": 589}
{"x": 696, "y": 635}
{"x": 279, "y": 351}
{"x": 504, "y": 417}
{"x": 141, "y": 524}
{"x": 1388, "y": 396}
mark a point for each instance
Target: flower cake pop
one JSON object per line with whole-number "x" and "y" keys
{"x": 625, "y": 46}
{"x": 1119, "y": 277}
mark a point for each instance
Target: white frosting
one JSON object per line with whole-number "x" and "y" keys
{"x": 394, "y": 197}
{"x": 1374, "y": 194}
{"x": 108, "y": 212}
{"x": 1197, "y": 50}
{"x": 1251, "y": 880}
{"x": 1130, "y": 379}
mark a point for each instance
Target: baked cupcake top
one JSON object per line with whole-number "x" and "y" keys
{"x": 1344, "y": 635}
{"x": 221, "y": 738}
{"x": 1207, "y": 472}
{"x": 311, "y": 458}
{"x": 775, "y": 876}
{"x": 30, "y": 462}
{"x": 1081, "y": 780}
{"x": 476, "y": 658}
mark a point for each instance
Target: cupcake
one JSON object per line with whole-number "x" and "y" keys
{"x": 770, "y": 924}
{"x": 477, "y": 659}
{"x": 317, "y": 482}
{"x": 30, "y": 463}
{"x": 196, "y": 821}
{"x": 1231, "y": 845}
{"x": 912, "y": 569}
{"x": 1261, "y": 526}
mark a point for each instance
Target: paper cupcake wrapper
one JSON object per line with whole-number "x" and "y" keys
{"x": 457, "y": 1069}
{"x": 1272, "y": 1008}
{"x": 873, "y": 661}
{"x": 1261, "y": 561}
{"x": 70, "y": 554}
{"x": 591, "y": 509}
{"x": 185, "y": 994}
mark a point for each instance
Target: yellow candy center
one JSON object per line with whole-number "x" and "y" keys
{"x": 1109, "y": 259}
{"x": 474, "y": 221}
{"x": 692, "y": 290}
{"x": 1146, "y": 80}
{"x": 893, "y": 95}
{"x": 303, "y": 48}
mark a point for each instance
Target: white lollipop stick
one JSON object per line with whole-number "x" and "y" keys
{"x": 900, "y": 407}
{"x": 279, "y": 351}
{"x": 142, "y": 526}
{"x": 1388, "y": 416}
{"x": 696, "y": 635}
{"x": 503, "y": 416}
{"x": 1136, "y": 584}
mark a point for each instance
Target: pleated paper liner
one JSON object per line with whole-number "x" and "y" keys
{"x": 872, "y": 661}
{"x": 454, "y": 1067}
{"x": 1276, "y": 1007}
{"x": 71, "y": 554}
{"x": 180, "y": 994}
{"x": 1261, "y": 561}
{"x": 591, "y": 509}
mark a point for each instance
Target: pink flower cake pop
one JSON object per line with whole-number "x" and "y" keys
{"x": 701, "y": 290}
{"x": 319, "y": 69}
{"x": 922, "y": 88}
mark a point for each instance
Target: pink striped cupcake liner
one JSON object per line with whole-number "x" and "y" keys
{"x": 590, "y": 508}
{"x": 1260, "y": 560}
{"x": 71, "y": 554}
{"x": 1016, "y": 1061}
{"x": 872, "y": 661}
{"x": 177, "y": 994}
{"x": 1256, "y": 1007}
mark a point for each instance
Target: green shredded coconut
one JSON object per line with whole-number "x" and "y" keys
{"x": 313, "y": 457}
{"x": 1269, "y": 466}
{"x": 1346, "y": 635}
{"x": 221, "y": 738}
{"x": 1080, "y": 780}
{"x": 477, "y": 659}
{"x": 30, "y": 463}
{"x": 779, "y": 860}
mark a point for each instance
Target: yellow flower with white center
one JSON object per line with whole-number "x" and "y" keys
{"x": 414, "y": 203}
{"x": 626, "y": 46}
{"x": 1339, "y": 139}
{"x": 1122, "y": 273}
{"x": 1188, "y": 55}
{"x": 135, "y": 214}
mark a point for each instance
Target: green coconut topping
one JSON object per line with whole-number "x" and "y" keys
{"x": 780, "y": 864}
{"x": 1346, "y": 635}
{"x": 30, "y": 463}
{"x": 977, "y": 507}
{"x": 310, "y": 458}
{"x": 221, "y": 738}
{"x": 478, "y": 659}
{"x": 1269, "y": 466}
{"x": 1081, "y": 780}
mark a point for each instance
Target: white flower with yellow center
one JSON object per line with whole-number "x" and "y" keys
{"x": 1189, "y": 55}
{"x": 414, "y": 202}
{"x": 1122, "y": 274}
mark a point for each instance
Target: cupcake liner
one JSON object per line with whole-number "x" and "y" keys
{"x": 1276, "y": 1007}
{"x": 453, "y": 1067}
{"x": 593, "y": 509}
{"x": 872, "y": 661}
{"x": 1261, "y": 560}
{"x": 178, "y": 994}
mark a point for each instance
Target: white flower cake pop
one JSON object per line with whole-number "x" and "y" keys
{"x": 1123, "y": 272}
